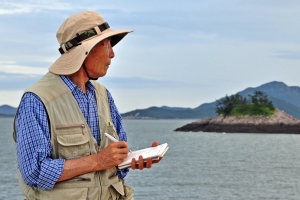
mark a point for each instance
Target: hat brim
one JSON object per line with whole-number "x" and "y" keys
{"x": 70, "y": 62}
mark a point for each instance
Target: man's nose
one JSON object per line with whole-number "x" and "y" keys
{"x": 111, "y": 53}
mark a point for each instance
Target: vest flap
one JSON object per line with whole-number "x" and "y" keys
{"x": 119, "y": 187}
{"x": 71, "y": 140}
{"x": 117, "y": 184}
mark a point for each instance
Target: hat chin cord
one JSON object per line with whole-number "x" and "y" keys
{"x": 90, "y": 78}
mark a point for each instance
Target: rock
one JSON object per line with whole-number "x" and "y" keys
{"x": 280, "y": 122}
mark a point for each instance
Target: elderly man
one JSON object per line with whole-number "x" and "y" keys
{"x": 60, "y": 124}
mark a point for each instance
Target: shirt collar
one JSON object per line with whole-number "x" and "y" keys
{"x": 72, "y": 86}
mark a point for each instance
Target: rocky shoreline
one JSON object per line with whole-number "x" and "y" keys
{"x": 280, "y": 122}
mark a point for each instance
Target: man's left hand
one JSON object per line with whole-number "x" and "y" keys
{"x": 141, "y": 164}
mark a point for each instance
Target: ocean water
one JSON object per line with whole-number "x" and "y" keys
{"x": 197, "y": 165}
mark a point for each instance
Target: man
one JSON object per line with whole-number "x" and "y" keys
{"x": 60, "y": 124}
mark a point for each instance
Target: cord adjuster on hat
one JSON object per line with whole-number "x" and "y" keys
{"x": 83, "y": 36}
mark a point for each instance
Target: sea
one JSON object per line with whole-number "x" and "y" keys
{"x": 198, "y": 165}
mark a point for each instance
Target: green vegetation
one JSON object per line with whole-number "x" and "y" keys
{"x": 237, "y": 105}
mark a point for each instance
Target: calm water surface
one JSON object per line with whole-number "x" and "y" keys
{"x": 197, "y": 165}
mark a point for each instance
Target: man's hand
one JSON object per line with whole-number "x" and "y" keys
{"x": 112, "y": 155}
{"x": 141, "y": 164}
{"x": 109, "y": 157}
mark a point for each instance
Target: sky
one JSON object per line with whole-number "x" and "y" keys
{"x": 181, "y": 53}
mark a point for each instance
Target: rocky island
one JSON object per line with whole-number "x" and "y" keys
{"x": 279, "y": 122}
{"x": 237, "y": 114}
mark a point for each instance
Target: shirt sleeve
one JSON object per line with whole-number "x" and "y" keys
{"x": 34, "y": 145}
{"x": 117, "y": 121}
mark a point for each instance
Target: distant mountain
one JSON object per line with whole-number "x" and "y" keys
{"x": 166, "y": 113}
{"x": 286, "y": 107}
{"x": 6, "y": 110}
{"x": 174, "y": 108}
{"x": 278, "y": 90}
{"x": 286, "y": 98}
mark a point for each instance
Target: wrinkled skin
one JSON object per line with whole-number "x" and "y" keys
{"x": 112, "y": 155}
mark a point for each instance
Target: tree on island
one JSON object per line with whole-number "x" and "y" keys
{"x": 237, "y": 105}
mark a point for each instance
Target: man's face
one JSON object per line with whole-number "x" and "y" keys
{"x": 99, "y": 58}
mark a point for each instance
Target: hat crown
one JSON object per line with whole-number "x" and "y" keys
{"x": 77, "y": 24}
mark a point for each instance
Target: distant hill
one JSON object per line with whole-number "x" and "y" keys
{"x": 286, "y": 98}
{"x": 6, "y": 111}
{"x": 279, "y": 90}
{"x": 166, "y": 113}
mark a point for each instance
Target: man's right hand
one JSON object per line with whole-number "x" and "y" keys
{"x": 112, "y": 155}
{"x": 109, "y": 157}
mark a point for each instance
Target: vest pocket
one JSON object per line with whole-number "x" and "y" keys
{"x": 72, "y": 142}
{"x": 82, "y": 181}
{"x": 64, "y": 194}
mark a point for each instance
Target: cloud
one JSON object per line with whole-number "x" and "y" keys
{"x": 12, "y": 68}
{"x": 15, "y": 81}
{"x": 250, "y": 21}
{"x": 141, "y": 83}
{"x": 288, "y": 54}
{"x": 17, "y": 7}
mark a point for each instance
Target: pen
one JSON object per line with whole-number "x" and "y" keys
{"x": 112, "y": 138}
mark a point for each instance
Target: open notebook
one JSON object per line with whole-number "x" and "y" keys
{"x": 154, "y": 152}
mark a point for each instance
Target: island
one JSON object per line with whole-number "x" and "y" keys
{"x": 239, "y": 115}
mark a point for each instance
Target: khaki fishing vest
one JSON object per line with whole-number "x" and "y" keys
{"x": 71, "y": 138}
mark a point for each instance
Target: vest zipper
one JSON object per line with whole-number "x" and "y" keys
{"x": 60, "y": 127}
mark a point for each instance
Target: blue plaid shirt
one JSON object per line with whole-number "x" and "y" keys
{"x": 34, "y": 148}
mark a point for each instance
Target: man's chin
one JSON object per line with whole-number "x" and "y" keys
{"x": 103, "y": 74}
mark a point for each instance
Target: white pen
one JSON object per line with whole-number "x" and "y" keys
{"x": 112, "y": 138}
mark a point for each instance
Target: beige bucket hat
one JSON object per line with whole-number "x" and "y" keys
{"x": 77, "y": 36}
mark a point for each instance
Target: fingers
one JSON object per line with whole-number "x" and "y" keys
{"x": 141, "y": 163}
{"x": 149, "y": 163}
{"x": 112, "y": 155}
{"x": 133, "y": 164}
{"x": 119, "y": 147}
{"x": 154, "y": 144}
{"x": 120, "y": 144}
